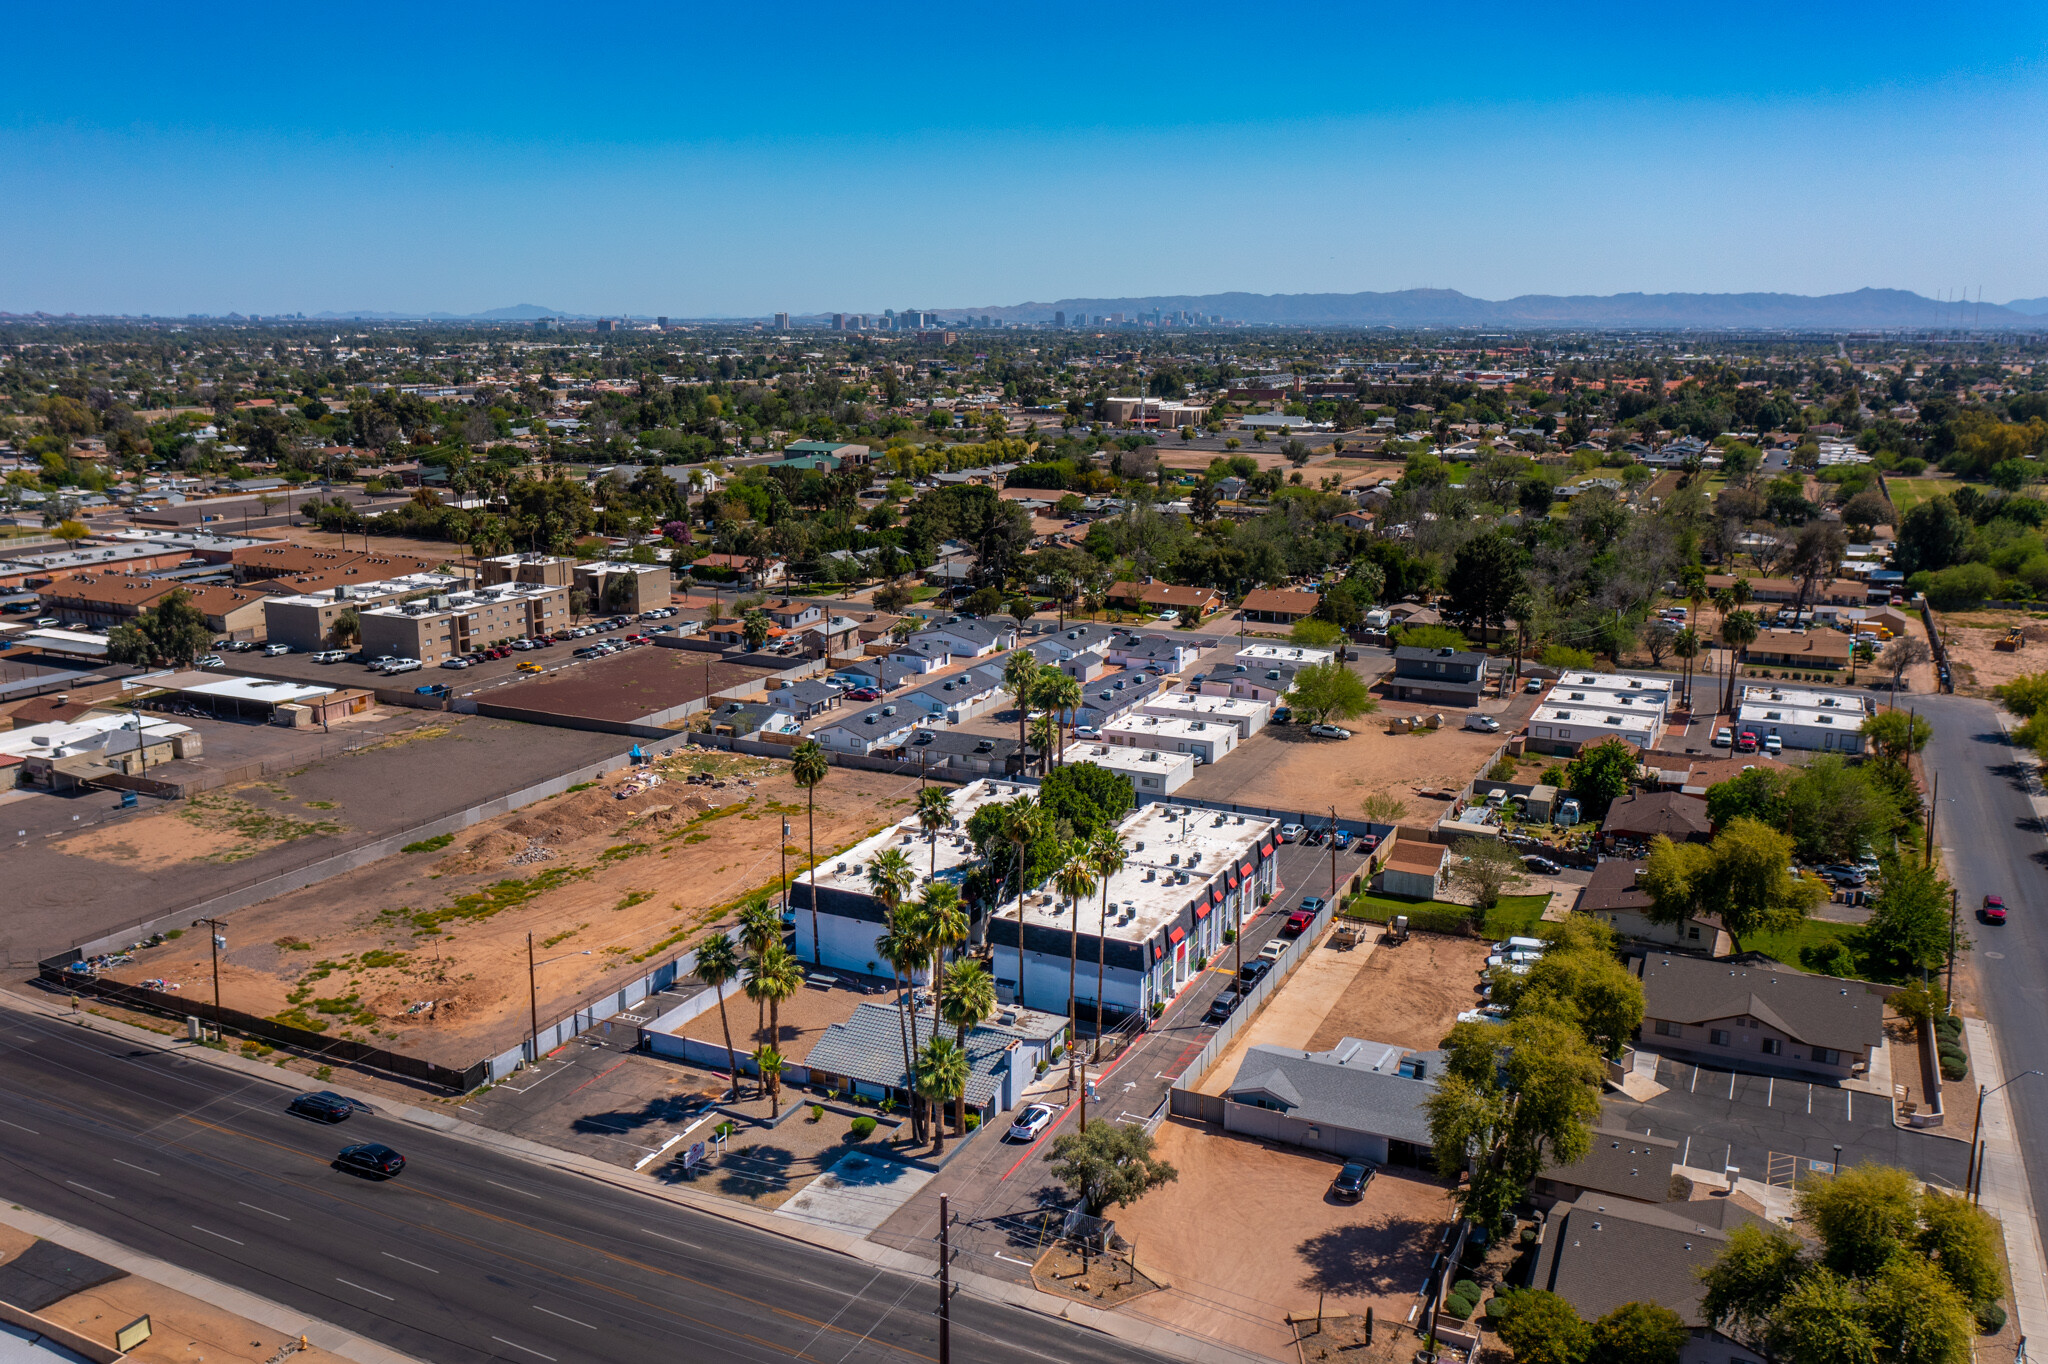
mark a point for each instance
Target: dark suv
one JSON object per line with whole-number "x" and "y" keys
{"x": 1221, "y": 1007}
{"x": 324, "y": 1105}
{"x": 1351, "y": 1181}
{"x": 1252, "y": 972}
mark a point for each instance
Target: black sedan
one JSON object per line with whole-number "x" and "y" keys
{"x": 323, "y": 1104}
{"x": 371, "y": 1158}
{"x": 1351, "y": 1181}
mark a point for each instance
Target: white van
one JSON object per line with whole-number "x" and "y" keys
{"x": 1536, "y": 945}
{"x": 1485, "y": 724}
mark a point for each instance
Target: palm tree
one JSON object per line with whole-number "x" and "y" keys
{"x": 1061, "y": 695}
{"x": 934, "y": 812}
{"x": 945, "y": 920}
{"x": 1686, "y": 644}
{"x": 717, "y": 964}
{"x": 1076, "y": 881}
{"x": 773, "y": 977}
{"x": 902, "y": 947}
{"x": 1020, "y": 676}
{"x": 1045, "y": 737}
{"x": 759, "y": 929}
{"x": 1020, "y": 822}
{"x": 771, "y": 1063}
{"x": 967, "y": 1000}
{"x": 890, "y": 877}
{"x": 808, "y": 767}
{"x": 1106, "y": 852}
{"x": 941, "y": 1074}
{"x": 1738, "y": 632}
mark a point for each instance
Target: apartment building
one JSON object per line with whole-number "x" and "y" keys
{"x": 307, "y": 620}
{"x": 622, "y": 588}
{"x": 547, "y": 570}
{"x": 448, "y": 625}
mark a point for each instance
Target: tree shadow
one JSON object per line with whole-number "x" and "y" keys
{"x": 668, "y": 1108}
{"x": 755, "y": 1170}
{"x": 1364, "y": 1259}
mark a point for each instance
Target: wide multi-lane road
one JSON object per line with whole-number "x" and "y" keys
{"x": 1985, "y": 819}
{"x": 469, "y": 1255}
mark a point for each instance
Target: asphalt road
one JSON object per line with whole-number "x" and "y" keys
{"x": 1995, "y": 847}
{"x": 468, "y": 1255}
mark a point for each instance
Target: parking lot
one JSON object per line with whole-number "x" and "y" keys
{"x": 624, "y": 687}
{"x": 1771, "y": 1128}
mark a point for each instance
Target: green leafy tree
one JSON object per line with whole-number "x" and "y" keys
{"x": 1919, "y": 1315}
{"x": 1485, "y": 869}
{"x": 1485, "y": 574}
{"x": 940, "y": 1075}
{"x": 771, "y": 1063}
{"x": 1744, "y": 876}
{"x": 1909, "y": 919}
{"x": 1328, "y": 692}
{"x": 1565, "y": 658}
{"x": 1582, "y": 980}
{"x": 1931, "y": 536}
{"x": 1820, "y": 1321}
{"x": 1833, "y": 810}
{"x": 1430, "y": 637}
{"x": 1963, "y": 1241}
{"x": 1864, "y": 1215}
{"x": 754, "y": 628}
{"x": 1898, "y": 733}
{"x": 1512, "y": 1100}
{"x": 1109, "y": 1165}
{"x": 1315, "y": 634}
{"x": 1639, "y": 1333}
{"x": 1542, "y": 1328}
{"x": 1756, "y": 794}
{"x": 1750, "y": 1277}
{"x": 173, "y": 632}
{"x": 1601, "y": 774}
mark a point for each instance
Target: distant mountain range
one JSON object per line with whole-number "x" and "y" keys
{"x": 518, "y": 312}
{"x": 1864, "y": 309}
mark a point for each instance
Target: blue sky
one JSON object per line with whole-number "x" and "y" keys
{"x": 174, "y": 159}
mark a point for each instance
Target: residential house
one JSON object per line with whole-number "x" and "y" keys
{"x": 1438, "y": 677}
{"x": 746, "y": 572}
{"x": 742, "y": 719}
{"x": 1359, "y": 1101}
{"x": 878, "y": 728}
{"x": 957, "y": 699}
{"x": 807, "y": 699}
{"x": 1279, "y": 606}
{"x": 794, "y": 615}
{"x": 1192, "y": 603}
{"x": 963, "y": 637}
{"x": 1615, "y": 896}
{"x": 1760, "y": 1018}
{"x": 1414, "y": 869}
{"x": 1619, "y": 1164}
{"x": 1802, "y": 649}
{"x": 963, "y": 757}
{"x": 1642, "y": 815}
{"x": 1164, "y": 653}
{"x": 1250, "y": 683}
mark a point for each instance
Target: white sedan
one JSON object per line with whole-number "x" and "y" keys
{"x": 1032, "y": 1121}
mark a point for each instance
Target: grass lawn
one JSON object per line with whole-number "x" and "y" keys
{"x": 1908, "y": 493}
{"x": 1790, "y": 947}
{"x": 1515, "y": 915}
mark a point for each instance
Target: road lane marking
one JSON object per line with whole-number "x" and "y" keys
{"x": 87, "y": 1187}
{"x": 584, "y": 1324}
{"x": 152, "y": 1173}
{"x": 372, "y": 1292}
{"x": 517, "y": 1346}
{"x": 211, "y": 1232}
{"x": 19, "y": 1128}
{"x": 414, "y": 1263}
{"x": 1809, "y": 1100}
{"x": 528, "y": 1192}
{"x": 1731, "y": 1086}
{"x": 1694, "y": 1086}
{"x": 265, "y": 1211}
{"x": 1771, "y": 1091}
{"x": 1852, "y": 1103}
{"x": 1683, "y": 1156}
{"x": 691, "y": 1244}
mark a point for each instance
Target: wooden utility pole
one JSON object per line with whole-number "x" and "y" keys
{"x": 945, "y": 1283}
{"x": 533, "y": 1003}
{"x": 213, "y": 938}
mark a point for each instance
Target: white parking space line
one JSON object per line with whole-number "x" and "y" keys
{"x": 1771, "y": 1091}
{"x": 1731, "y": 1085}
{"x": 571, "y": 1320}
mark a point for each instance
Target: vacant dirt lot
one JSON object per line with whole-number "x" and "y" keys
{"x": 627, "y": 686}
{"x": 1250, "y": 1234}
{"x": 1979, "y": 666}
{"x": 428, "y": 950}
{"x": 1408, "y": 995}
{"x": 1284, "y": 768}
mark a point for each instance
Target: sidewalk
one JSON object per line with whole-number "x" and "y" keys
{"x": 2007, "y": 1194}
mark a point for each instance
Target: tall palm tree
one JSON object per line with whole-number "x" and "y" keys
{"x": 1106, "y": 852}
{"x": 759, "y": 929}
{"x": 901, "y": 945}
{"x": 940, "y": 1074}
{"x": 771, "y": 1063}
{"x": 890, "y": 877}
{"x": 967, "y": 1000}
{"x": 1020, "y": 822}
{"x": 717, "y": 964}
{"x": 1045, "y": 737}
{"x": 808, "y": 767}
{"x": 1061, "y": 695}
{"x": 945, "y": 920}
{"x": 1076, "y": 881}
{"x": 1020, "y": 675}
{"x": 773, "y": 977}
{"x": 1686, "y": 644}
{"x": 934, "y": 813}
{"x": 1738, "y": 632}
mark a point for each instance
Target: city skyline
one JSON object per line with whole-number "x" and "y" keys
{"x": 425, "y": 163}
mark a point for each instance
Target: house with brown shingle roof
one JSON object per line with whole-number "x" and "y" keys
{"x": 1279, "y": 606}
{"x": 1614, "y": 895}
{"x": 1193, "y": 603}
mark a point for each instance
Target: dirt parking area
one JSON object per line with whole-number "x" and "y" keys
{"x": 426, "y": 951}
{"x": 1978, "y": 663}
{"x": 1283, "y": 767}
{"x": 626, "y": 686}
{"x": 1250, "y": 1234}
{"x": 1408, "y": 995}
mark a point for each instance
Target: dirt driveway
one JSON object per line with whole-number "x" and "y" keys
{"x": 1250, "y": 1233}
{"x": 1408, "y": 995}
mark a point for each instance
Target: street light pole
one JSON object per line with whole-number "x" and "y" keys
{"x": 1975, "y": 1174}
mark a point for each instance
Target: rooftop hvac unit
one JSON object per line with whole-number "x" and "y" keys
{"x": 1149, "y": 873}
{"x": 1173, "y": 860}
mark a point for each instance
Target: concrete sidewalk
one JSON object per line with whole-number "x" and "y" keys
{"x": 2007, "y": 1193}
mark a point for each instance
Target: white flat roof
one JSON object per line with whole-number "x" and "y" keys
{"x": 1613, "y": 682}
{"x": 1779, "y": 697}
{"x": 1163, "y": 846}
{"x": 461, "y": 603}
{"x": 81, "y": 642}
{"x": 1127, "y": 758}
{"x": 1596, "y": 714}
{"x": 245, "y": 688}
{"x": 848, "y": 871}
{"x": 1178, "y": 729}
{"x": 1773, "y": 713}
{"x": 1190, "y": 706}
{"x": 89, "y": 732}
{"x": 383, "y": 587}
{"x": 1285, "y": 653}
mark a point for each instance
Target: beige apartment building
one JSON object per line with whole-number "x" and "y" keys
{"x": 621, "y": 588}
{"x": 451, "y": 624}
{"x": 548, "y": 570}
{"x": 306, "y": 620}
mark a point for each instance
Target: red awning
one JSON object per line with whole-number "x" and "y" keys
{"x": 1233, "y": 880}
{"x": 1216, "y": 894}
{"x": 1246, "y": 869}
{"x": 1177, "y": 934}
{"x": 1201, "y": 909}
{"x": 1266, "y": 848}
{"x": 1157, "y": 951}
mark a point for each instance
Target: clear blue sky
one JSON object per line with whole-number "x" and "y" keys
{"x": 173, "y": 158}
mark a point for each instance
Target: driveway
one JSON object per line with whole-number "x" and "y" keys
{"x": 1771, "y": 1128}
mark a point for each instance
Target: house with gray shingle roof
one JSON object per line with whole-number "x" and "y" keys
{"x": 1362, "y": 1100}
{"x": 864, "y": 1054}
{"x": 1619, "y": 1163}
{"x": 1760, "y": 1017}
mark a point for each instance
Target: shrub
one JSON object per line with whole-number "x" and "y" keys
{"x": 1954, "y": 1066}
{"x": 1828, "y": 959}
{"x": 973, "y": 1121}
{"x": 1459, "y": 1308}
{"x": 817, "y": 1112}
{"x": 1497, "y": 1306}
{"x": 1466, "y": 1289}
{"x": 1991, "y": 1319}
{"x": 861, "y": 1128}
